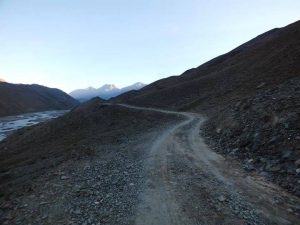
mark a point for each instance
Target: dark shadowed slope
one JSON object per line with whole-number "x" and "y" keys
{"x": 263, "y": 62}
{"x": 21, "y": 98}
{"x": 122, "y": 171}
{"x": 252, "y": 98}
{"x": 31, "y": 151}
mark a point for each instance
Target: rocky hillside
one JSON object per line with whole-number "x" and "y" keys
{"x": 251, "y": 98}
{"x": 266, "y": 61}
{"x": 32, "y": 151}
{"x": 263, "y": 131}
{"x": 22, "y": 98}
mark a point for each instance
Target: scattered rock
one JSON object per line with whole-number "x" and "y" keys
{"x": 264, "y": 127}
{"x": 77, "y": 211}
{"x": 261, "y": 85}
{"x": 275, "y": 168}
{"x": 290, "y": 210}
{"x": 64, "y": 177}
{"x": 219, "y": 130}
{"x": 286, "y": 154}
{"x": 221, "y": 198}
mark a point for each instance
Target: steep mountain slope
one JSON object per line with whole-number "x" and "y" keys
{"x": 94, "y": 164}
{"x": 251, "y": 98}
{"x": 263, "y": 131}
{"x": 21, "y": 98}
{"x": 265, "y": 61}
{"x": 107, "y": 91}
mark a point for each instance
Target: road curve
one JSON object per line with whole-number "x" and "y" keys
{"x": 187, "y": 183}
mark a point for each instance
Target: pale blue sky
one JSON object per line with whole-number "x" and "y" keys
{"x": 73, "y": 44}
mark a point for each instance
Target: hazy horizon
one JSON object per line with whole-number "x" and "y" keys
{"x": 74, "y": 45}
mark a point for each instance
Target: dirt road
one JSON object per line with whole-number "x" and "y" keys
{"x": 187, "y": 183}
{"x": 147, "y": 167}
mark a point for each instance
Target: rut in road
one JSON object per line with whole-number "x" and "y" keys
{"x": 187, "y": 183}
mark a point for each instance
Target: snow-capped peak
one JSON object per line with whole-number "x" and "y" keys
{"x": 108, "y": 87}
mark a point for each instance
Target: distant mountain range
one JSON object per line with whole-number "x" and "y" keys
{"x": 24, "y": 98}
{"x": 2, "y": 80}
{"x": 250, "y": 102}
{"x": 107, "y": 91}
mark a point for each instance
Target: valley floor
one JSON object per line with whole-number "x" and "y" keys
{"x": 9, "y": 124}
{"x": 165, "y": 176}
